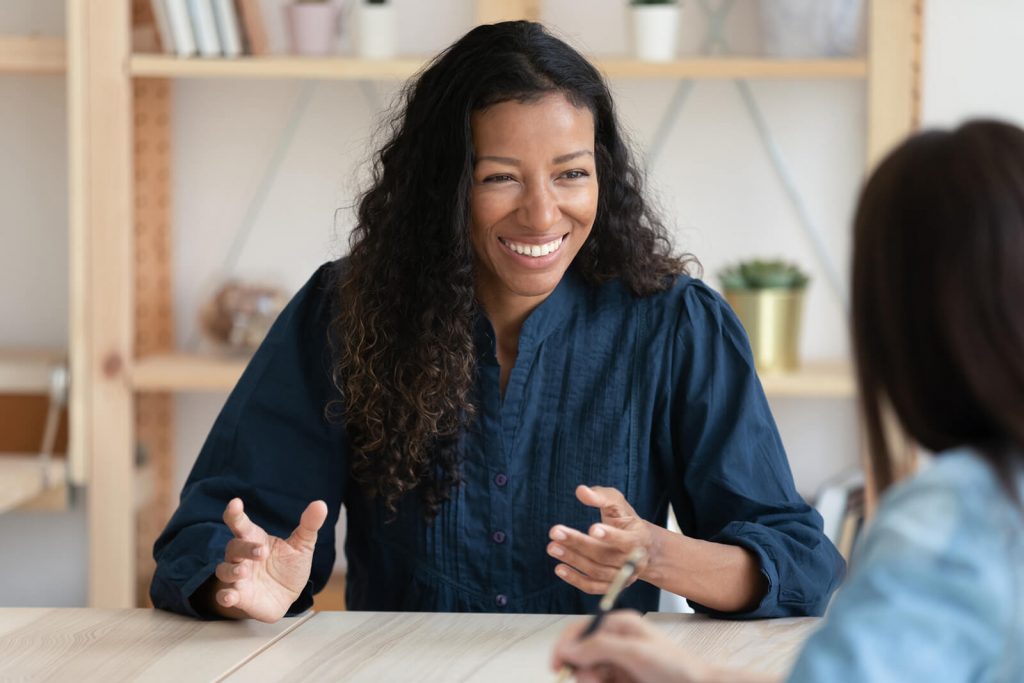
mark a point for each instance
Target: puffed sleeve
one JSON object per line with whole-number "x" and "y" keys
{"x": 931, "y": 594}
{"x": 273, "y": 446}
{"x": 731, "y": 480}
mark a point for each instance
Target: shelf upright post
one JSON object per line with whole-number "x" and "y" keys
{"x": 101, "y": 291}
{"x": 894, "y": 67}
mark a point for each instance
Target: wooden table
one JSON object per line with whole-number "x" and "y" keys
{"x": 146, "y": 645}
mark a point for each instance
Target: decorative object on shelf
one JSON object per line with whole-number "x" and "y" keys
{"x": 811, "y": 28}
{"x": 376, "y": 39}
{"x": 312, "y": 26}
{"x": 239, "y": 314}
{"x": 655, "y": 29}
{"x": 768, "y": 299}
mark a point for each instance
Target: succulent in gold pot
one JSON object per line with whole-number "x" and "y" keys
{"x": 767, "y": 296}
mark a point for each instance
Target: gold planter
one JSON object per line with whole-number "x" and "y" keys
{"x": 772, "y": 320}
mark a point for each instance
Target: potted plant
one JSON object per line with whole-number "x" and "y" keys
{"x": 312, "y": 26}
{"x": 655, "y": 29}
{"x": 768, "y": 299}
{"x": 376, "y": 39}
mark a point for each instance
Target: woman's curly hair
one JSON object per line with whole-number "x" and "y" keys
{"x": 405, "y": 356}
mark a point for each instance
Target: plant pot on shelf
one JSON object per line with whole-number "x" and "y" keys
{"x": 768, "y": 298}
{"x": 312, "y": 27}
{"x": 376, "y": 39}
{"x": 811, "y": 28}
{"x": 655, "y": 29}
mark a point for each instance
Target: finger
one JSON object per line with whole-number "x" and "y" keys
{"x": 228, "y": 597}
{"x": 584, "y": 583}
{"x": 237, "y": 520}
{"x": 569, "y": 634}
{"x": 313, "y": 517}
{"x": 602, "y": 649}
{"x": 582, "y": 564}
{"x": 596, "y": 549}
{"x": 230, "y": 572}
{"x": 238, "y": 550}
{"x": 611, "y": 501}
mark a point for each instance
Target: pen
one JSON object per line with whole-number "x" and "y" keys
{"x": 607, "y": 603}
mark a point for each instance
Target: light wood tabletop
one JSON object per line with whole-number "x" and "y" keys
{"x": 84, "y": 644}
{"x": 147, "y": 645}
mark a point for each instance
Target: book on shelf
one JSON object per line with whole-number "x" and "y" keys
{"x": 253, "y": 28}
{"x": 163, "y": 26}
{"x": 853, "y": 522}
{"x": 204, "y": 24}
{"x": 831, "y": 502}
{"x": 181, "y": 27}
{"x": 227, "y": 27}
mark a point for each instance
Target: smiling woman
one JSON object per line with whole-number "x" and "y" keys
{"x": 505, "y": 382}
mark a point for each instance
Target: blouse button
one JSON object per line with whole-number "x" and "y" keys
{"x": 500, "y": 479}
{"x": 498, "y": 536}
{"x": 501, "y": 600}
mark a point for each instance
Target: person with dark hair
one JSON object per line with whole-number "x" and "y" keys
{"x": 505, "y": 383}
{"x": 936, "y": 589}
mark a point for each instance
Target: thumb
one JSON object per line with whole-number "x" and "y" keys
{"x": 609, "y": 500}
{"x": 313, "y": 517}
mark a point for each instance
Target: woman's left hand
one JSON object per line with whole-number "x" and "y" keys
{"x": 590, "y": 560}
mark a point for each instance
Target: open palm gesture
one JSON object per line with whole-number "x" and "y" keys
{"x": 262, "y": 575}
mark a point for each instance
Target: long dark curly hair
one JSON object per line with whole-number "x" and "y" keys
{"x": 405, "y": 357}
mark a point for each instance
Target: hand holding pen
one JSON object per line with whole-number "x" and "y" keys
{"x": 607, "y": 603}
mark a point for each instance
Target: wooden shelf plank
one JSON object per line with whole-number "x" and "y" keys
{"x": 195, "y": 372}
{"x": 337, "y": 68}
{"x": 812, "y": 380}
{"x": 21, "y": 54}
{"x": 27, "y": 371}
{"x": 21, "y": 481}
{"x": 186, "y": 372}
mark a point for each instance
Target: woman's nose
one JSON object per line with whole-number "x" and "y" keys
{"x": 539, "y": 208}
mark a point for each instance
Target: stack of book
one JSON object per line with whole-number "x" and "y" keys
{"x": 841, "y": 505}
{"x": 210, "y": 28}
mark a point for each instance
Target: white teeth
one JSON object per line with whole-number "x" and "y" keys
{"x": 533, "y": 250}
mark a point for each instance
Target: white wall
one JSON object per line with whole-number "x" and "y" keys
{"x": 713, "y": 180}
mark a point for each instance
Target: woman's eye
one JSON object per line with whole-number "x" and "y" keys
{"x": 500, "y": 178}
{"x": 575, "y": 174}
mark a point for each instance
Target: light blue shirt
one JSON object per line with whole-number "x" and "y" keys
{"x": 936, "y": 587}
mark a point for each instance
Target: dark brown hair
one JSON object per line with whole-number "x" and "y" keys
{"x": 938, "y": 295}
{"x": 405, "y": 353}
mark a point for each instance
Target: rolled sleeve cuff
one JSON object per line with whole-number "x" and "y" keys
{"x": 752, "y": 537}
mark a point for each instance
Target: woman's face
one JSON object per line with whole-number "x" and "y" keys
{"x": 534, "y": 195}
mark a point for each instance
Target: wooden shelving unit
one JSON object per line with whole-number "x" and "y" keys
{"x": 31, "y": 55}
{"x": 339, "y": 68}
{"x": 195, "y": 372}
{"x": 122, "y": 379}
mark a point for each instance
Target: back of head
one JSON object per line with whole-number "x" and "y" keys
{"x": 938, "y": 294}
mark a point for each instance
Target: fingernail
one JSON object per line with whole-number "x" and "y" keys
{"x": 560, "y": 571}
{"x": 599, "y": 532}
{"x": 237, "y": 570}
{"x": 557, "y": 551}
{"x": 558, "y": 535}
{"x": 256, "y": 552}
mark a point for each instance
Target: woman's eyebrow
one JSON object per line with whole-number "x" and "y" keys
{"x": 572, "y": 155}
{"x": 501, "y": 160}
{"x": 515, "y": 162}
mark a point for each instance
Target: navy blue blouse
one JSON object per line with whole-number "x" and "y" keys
{"x": 655, "y": 396}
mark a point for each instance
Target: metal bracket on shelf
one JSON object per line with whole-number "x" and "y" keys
{"x": 58, "y": 399}
{"x": 715, "y": 38}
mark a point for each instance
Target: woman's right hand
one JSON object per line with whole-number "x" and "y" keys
{"x": 262, "y": 575}
{"x": 626, "y": 649}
